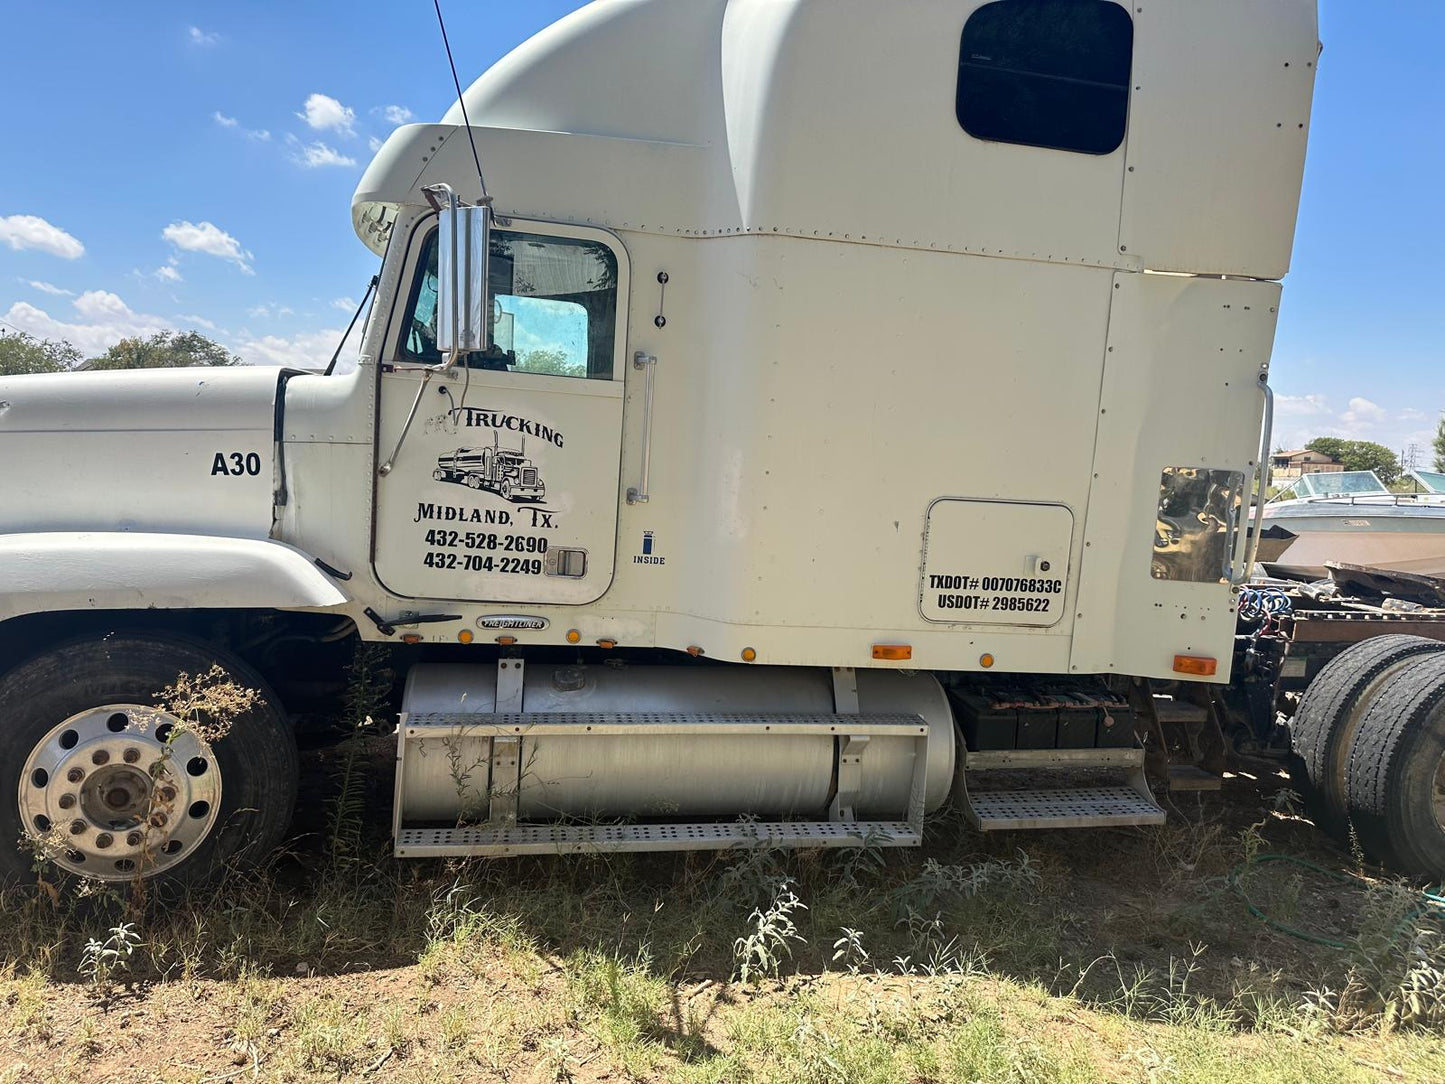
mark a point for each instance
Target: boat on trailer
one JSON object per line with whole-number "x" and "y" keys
{"x": 1351, "y": 517}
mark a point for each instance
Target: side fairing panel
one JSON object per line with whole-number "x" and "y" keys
{"x": 1181, "y": 400}
{"x": 1218, "y": 123}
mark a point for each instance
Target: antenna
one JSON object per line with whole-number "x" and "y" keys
{"x": 461, "y": 101}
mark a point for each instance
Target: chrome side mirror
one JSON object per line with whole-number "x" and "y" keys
{"x": 464, "y": 245}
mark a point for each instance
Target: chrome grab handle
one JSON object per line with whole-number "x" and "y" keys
{"x": 385, "y": 468}
{"x": 1239, "y": 534}
{"x": 646, "y": 363}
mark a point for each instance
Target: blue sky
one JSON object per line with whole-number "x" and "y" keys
{"x": 200, "y": 159}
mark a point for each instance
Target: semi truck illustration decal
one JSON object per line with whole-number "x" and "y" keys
{"x": 507, "y": 473}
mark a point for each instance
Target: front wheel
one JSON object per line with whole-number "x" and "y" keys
{"x": 100, "y": 781}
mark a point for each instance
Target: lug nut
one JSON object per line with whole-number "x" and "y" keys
{"x": 168, "y": 794}
{"x": 77, "y": 826}
{"x": 158, "y": 820}
{"x": 133, "y": 840}
{"x": 131, "y": 756}
{"x": 75, "y": 775}
{"x": 99, "y": 757}
{"x": 105, "y": 839}
{"x": 66, "y": 801}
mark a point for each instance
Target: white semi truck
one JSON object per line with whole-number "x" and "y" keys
{"x": 917, "y": 397}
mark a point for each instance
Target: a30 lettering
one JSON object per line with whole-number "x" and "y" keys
{"x": 236, "y": 464}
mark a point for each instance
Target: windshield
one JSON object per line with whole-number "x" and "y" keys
{"x": 1430, "y": 481}
{"x": 1350, "y": 483}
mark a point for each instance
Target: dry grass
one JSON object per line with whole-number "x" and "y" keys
{"x": 1114, "y": 956}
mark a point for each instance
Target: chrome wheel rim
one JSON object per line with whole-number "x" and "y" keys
{"x": 119, "y": 791}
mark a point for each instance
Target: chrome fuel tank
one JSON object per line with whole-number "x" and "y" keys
{"x": 659, "y": 764}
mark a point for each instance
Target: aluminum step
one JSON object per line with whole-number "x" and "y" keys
{"x": 1013, "y": 789}
{"x": 1190, "y": 777}
{"x": 1168, "y": 710}
{"x": 983, "y": 760}
{"x": 1061, "y": 807}
{"x": 494, "y": 842}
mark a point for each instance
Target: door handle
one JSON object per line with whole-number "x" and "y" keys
{"x": 645, "y": 363}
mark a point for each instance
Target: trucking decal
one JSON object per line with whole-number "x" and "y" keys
{"x": 508, "y": 540}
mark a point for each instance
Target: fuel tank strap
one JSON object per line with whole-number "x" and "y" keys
{"x": 664, "y": 722}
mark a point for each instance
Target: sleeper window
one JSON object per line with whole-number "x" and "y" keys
{"x": 1047, "y": 73}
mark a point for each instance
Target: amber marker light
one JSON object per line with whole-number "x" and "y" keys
{"x": 573, "y": 636}
{"x": 893, "y": 652}
{"x": 506, "y": 641}
{"x": 694, "y": 651}
{"x": 985, "y": 660}
{"x": 411, "y": 637}
{"x": 1198, "y": 665}
{"x": 465, "y": 636}
{"x": 749, "y": 654}
{"x": 606, "y": 644}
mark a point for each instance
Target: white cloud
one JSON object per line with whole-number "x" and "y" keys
{"x": 267, "y": 312}
{"x": 325, "y": 113}
{"x": 1411, "y": 414}
{"x": 260, "y": 135}
{"x": 209, "y": 239}
{"x": 1363, "y": 413}
{"x": 199, "y": 321}
{"x": 47, "y": 288}
{"x": 1301, "y": 405}
{"x": 167, "y": 273}
{"x": 345, "y": 304}
{"x": 202, "y": 37}
{"x": 32, "y": 231}
{"x": 396, "y": 114}
{"x": 317, "y": 155}
{"x": 373, "y": 144}
{"x": 307, "y": 350}
{"x": 103, "y": 319}
{"x": 223, "y": 120}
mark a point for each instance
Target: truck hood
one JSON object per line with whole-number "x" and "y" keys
{"x": 175, "y": 450}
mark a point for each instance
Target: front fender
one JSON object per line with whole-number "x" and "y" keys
{"x": 107, "y": 570}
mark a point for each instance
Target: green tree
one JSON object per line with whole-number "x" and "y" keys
{"x": 1360, "y": 455}
{"x": 551, "y": 362}
{"x": 164, "y": 350}
{"x": 21, "y": 353}
{"x": 1440, "y": 445}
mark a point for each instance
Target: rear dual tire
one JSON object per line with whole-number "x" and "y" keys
{"x": 1396, "y": 778}
{"x": 1370, "y": 734}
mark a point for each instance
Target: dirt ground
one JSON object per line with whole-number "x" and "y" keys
{"x": 1116, "y": 955}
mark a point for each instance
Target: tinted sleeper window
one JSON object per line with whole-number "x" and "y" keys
{"x": 1047, "y": 73}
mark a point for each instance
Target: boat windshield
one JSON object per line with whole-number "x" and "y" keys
{"x": 1350, "y": 483}
{"x": 1431, "y": 481}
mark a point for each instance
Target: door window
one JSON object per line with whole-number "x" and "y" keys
{"x": 554, "y": 307}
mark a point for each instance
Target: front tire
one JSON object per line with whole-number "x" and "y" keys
{"x": 109, "y": 788}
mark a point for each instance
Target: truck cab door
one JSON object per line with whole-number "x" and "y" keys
{"x": 503, "y": 485}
